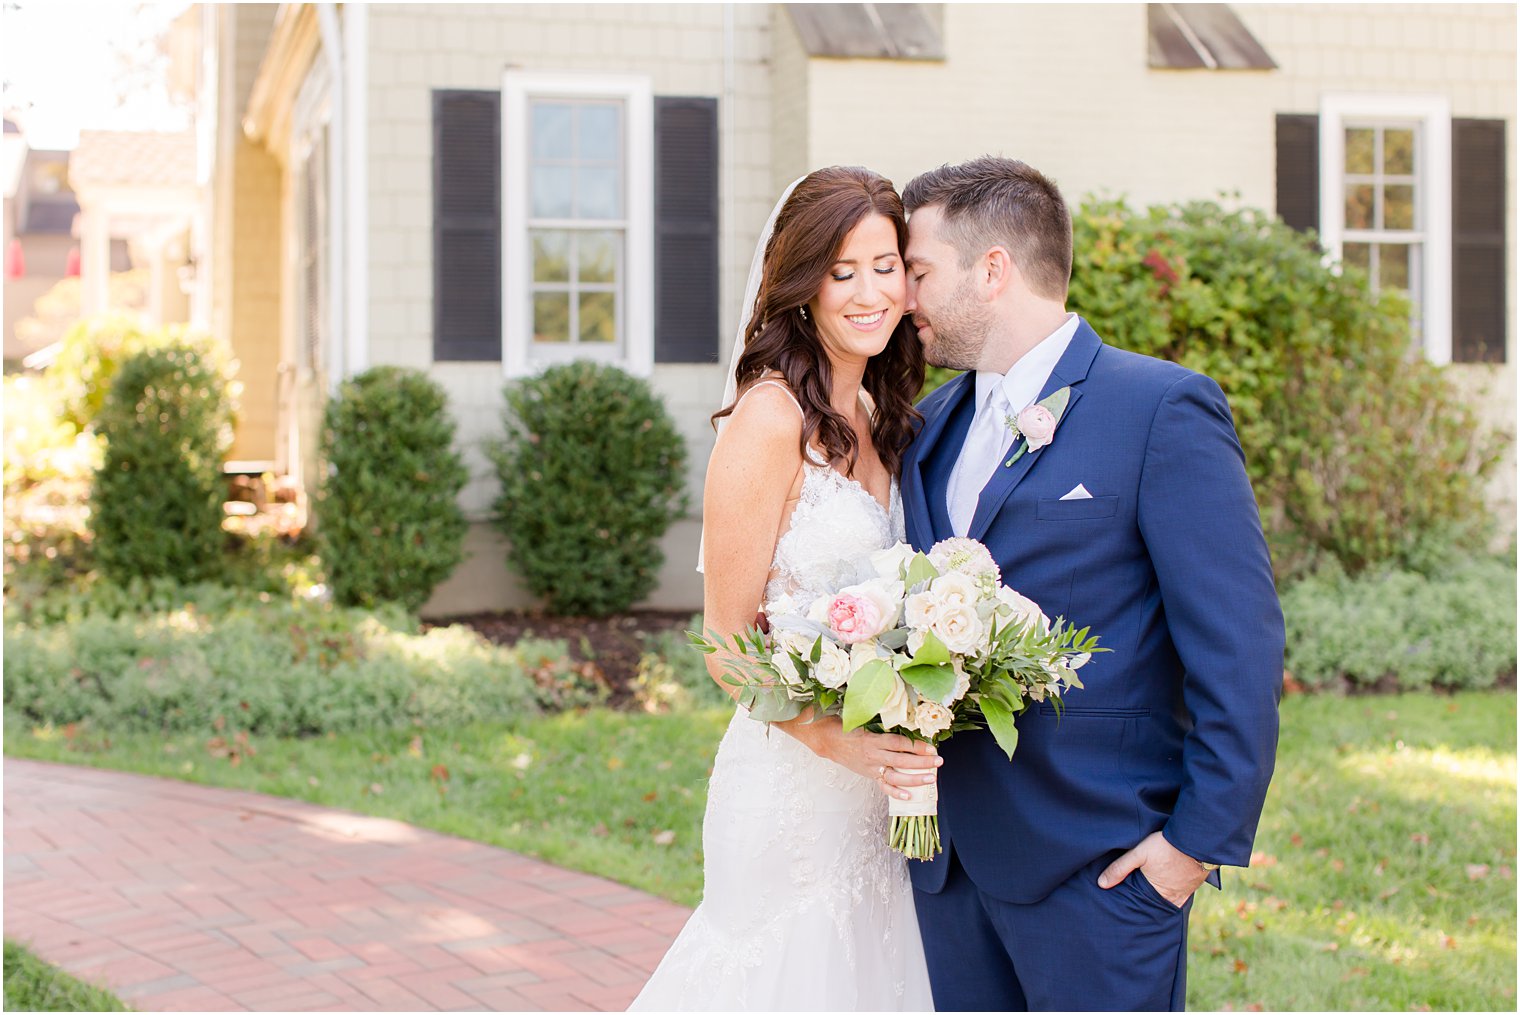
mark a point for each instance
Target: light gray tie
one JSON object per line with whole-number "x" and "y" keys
{"x": 980, "y": 455}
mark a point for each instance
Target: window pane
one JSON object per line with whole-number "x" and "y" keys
{"x": 599, "y": 132}
{"x": 1359, "y": 206}
{"x": 599, "y": 256}
{"x": 1398, "y": 152}
{"x": 551, "y": 256}
{"x": 598, "y": 317}
{"x": 1357, "y": 254}
{"x": 551, "y": 317}
{"x": 1398, "y": 206}
{"x": 551, "y": 191}
{"x": 598, "y": 193}
{"x": 551, "y": 130}
{"x": 1393, "y": 266}
{"x": 1359, "y": 149}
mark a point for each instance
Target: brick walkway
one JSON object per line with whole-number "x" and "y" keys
{"x": 182, "y": 897}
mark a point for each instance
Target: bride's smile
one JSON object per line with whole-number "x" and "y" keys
{"x": 862, "y": 297}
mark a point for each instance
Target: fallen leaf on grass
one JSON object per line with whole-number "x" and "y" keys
{"x": 614, "y": 763}
{"x": 664, "y": 838}
{"x": 664, "y": 766}
{"x": 1263, "y": 860}
{"x": 1388, "y": 893}
{"x": 650, "y": 797}
{"x": 415, "y": 747}
{"x": 374, "y": 789}
{"x": 1296, "y": 840}
{"x": 1333, "y": 946}
{"x": 1420, "y": 838}
{"x": 1240, "y": 966}
{"x": 1448, "y": 942}
{"x": 1477, "y": 871}
{"x": 601, "y": 831}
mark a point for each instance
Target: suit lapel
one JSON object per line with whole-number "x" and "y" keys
{"x": 1070, "y": 371}
{"x": 914, "y": 489}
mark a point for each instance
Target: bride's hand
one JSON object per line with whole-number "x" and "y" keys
{"x": 872, "y": 755}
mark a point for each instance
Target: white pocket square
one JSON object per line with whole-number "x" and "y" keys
{"x": 1078, "y": 492}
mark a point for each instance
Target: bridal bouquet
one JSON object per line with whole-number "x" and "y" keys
{"x": 923, "y": 645}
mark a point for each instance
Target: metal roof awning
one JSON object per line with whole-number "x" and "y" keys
{"x": 1202, "y": 36}
{"x": 868, "y": 31}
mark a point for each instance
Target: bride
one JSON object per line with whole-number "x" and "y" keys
{"x": 804, "y": 907}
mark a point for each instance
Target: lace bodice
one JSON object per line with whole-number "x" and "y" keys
{"x": 834, "y": 528}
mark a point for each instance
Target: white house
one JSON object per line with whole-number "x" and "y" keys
{"x": 406, "y": 183}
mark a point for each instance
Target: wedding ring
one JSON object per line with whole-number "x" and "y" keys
{"x": 881, "y": 772}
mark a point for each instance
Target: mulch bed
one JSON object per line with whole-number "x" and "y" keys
{"x": 613, "y": 643}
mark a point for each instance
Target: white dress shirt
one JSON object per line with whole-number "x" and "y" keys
{"x": 1017, "y": 390}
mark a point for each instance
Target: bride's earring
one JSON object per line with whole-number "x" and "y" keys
{"x": 803, "y": 311}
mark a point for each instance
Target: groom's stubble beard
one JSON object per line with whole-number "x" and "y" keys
{"x": 960, "y": 329}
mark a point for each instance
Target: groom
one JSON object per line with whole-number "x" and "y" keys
{"x": 1067, "y": 875}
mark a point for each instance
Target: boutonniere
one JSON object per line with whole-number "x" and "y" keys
{"x": 1036, "y": 424}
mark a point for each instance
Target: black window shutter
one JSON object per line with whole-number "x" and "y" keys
{"x": 686, "y": 230}
{"x": 1477, "y": 238}
{"x": 1298, "y": 170}
{"x": 466, "y": 225}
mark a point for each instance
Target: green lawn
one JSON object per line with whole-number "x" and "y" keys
{"x": 1387, "y": 852}
{"x": 33, "y": 985}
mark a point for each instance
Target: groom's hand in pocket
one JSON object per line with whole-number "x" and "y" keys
{"x": 1174, "y": 874}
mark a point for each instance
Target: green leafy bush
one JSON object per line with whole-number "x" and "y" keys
{"x": 1357, "y": 449}
{"x": 390, "y": 526}
{"x": 206, "y": 658}
{"x": 592, "y": 475}
{"x": 156, "y": 503}
{"x": 1399, "y": 629}
{"x": 90, "y": 356}
{"x": 50, "y": 464}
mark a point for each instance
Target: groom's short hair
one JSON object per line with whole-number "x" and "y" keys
{"x": 999, "y": 202}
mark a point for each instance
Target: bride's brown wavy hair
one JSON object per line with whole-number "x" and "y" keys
{"x": 809, "y": 234}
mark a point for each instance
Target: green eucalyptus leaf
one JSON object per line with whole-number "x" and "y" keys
{"x": 1000, "y": 721}
{"x": 867, "y": 690}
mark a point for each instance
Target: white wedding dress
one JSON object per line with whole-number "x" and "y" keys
{"x": 804, "y": 906}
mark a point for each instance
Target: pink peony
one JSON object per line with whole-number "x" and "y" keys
{"x": 854, "y": 618}
{"x": 1038, "y": 425}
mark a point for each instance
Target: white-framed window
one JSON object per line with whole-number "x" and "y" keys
{"x": 1385, "y": 201}
{"x": 578, "y": 222}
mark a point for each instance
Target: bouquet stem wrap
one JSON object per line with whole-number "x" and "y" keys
{"x": 915, "y": 821}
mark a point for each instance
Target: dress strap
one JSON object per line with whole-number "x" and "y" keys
{"x": 775, "y": 384}
{"x": 814, "y": 456}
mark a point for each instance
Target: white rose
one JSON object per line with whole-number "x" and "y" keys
{"x": 916, "y": 639}
{"x": 920, "y": 610}
{"x": 889, "y": 563}
{"x": 955, "y": 589}
{"x": 959, "y": 628}
{"x": 782, "y": 663}
{"x": 833, "y": 666}
{"x": 1021, "y": 608}
{"x": 799, "y": 643}
{"x": 895, "y": 711}
{"x": 931, "y": 718}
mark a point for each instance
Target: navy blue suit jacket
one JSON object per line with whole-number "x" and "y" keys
{"x": 1176, "y": 728}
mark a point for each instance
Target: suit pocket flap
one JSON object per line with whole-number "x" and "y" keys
{"x": 1052, "y": 510}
